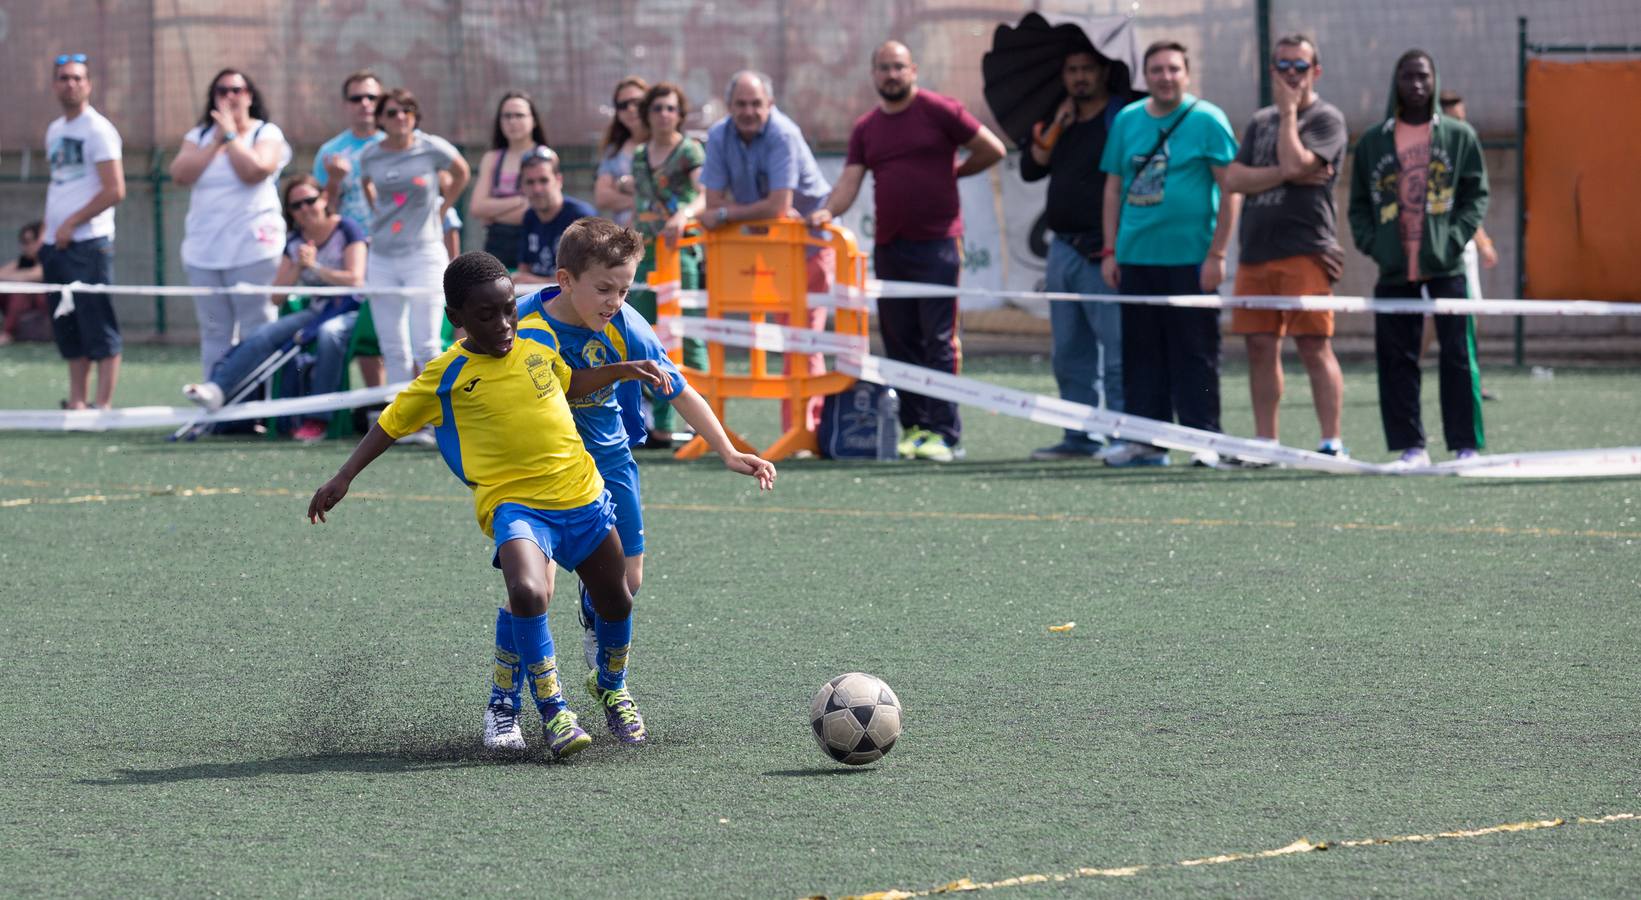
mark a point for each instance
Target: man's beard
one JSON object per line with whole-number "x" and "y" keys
{"x": 895, "y": 96}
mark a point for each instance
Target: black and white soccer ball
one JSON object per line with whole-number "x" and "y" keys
{"x": 855, "y": 718}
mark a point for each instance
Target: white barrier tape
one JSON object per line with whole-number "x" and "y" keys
{"x": 172, "y": 416}
{"x": 844, "y": 297}
{"x": 1460, "y": 307}
{"x": 1076, "y": 416}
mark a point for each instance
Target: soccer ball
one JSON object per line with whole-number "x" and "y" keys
{"x": 855, "y": 718}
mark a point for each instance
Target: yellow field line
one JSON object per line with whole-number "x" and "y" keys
{"x": 965, "y": 885}
{"x": 138, "y": 492}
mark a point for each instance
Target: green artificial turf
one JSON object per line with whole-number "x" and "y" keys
{"x": 205, "y": 694}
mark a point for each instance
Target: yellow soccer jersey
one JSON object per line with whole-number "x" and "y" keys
{"x": 503, "y": 426}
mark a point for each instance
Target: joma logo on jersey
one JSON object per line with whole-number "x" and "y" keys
{"x": 468, "y": 387}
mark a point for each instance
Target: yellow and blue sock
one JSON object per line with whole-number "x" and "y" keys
{"x": 535, "y": 650}
{"x": 614, "y": 643}
{"x": 507, "y": 679}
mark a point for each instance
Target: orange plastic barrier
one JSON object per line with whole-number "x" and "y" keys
{"x": 755, "y": 271}
{"x": 1583, "y": 188}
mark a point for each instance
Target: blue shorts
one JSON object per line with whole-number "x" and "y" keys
{"x": 565, "y": 536}
{"x": 622, "y": 483}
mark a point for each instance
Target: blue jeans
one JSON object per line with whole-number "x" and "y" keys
{"x": 330, "y": 340}
{"x": 1087, "y": 334}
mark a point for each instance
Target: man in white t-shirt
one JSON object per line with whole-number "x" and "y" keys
{"x": 87, "y": 179}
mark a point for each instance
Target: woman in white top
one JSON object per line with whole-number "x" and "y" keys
{"x": 613, "y": 189}
{"x": 235, "y": 232}
{"x": 496, "y": 200}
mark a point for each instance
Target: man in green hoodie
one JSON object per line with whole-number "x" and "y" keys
{"x": 1417, "y": 195}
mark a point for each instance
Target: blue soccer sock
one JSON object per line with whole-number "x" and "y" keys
{"x": 614, "y": 645}
{"x": 507, "y": 680}
{"x": 535, "y": 650}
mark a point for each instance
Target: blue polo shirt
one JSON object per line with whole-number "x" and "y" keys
{"x": 778, "y": 158}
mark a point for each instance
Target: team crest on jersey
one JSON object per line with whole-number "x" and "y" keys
{"x": 540, "y": 372}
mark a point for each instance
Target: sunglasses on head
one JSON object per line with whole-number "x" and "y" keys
{"x": 304, "y": 203}
{"x": 629, "y": 104}
{"x": 67, "y": 58}
{"x": 229, "y": 90}
{"x": 1297, "y": 65}
{"x": 355, "y": 98}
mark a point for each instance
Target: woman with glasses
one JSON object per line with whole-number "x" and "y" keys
{"x": 323, "y": 249}
{"x": 666, "y": 172}
{"x": 234, "y": 232}
{"x": 400, "y": 175}
{"x": 613, "y": 190}
{"x": 496, "y": 199}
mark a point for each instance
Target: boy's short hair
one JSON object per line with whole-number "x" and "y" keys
{"x": 539, "y": 156}
{"x": 594, "y": 241}
{"x": 1449, "y": 98}
{"x": 1161, "y": 46}
{"x": 475, "y": 268}
{"x": 30, "y": 231}
{"x": 1298, "y": 39}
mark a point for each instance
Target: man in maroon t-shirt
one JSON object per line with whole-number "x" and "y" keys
{"x": 910, "y": 144}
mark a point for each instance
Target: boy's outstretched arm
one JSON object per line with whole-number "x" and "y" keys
{"x": 648, "y": 371}
{"x": 372, "y": 445}
{"x": 693, "y": 407}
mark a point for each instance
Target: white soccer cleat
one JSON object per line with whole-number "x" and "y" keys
{"x": 501, "y": 728}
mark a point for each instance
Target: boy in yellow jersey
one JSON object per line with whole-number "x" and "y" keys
{"x": 497, "y": 403}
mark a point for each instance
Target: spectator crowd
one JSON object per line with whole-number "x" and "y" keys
{"x": 1145, "y": 193}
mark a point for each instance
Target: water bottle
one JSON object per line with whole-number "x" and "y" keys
{"x": 888, "y": 425}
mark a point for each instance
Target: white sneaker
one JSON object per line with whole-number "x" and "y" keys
{"x": 1132, "y": 454}
{"x": 1205, "y": 459}
{"x": 1412, "y": 458}
{"x": 501, "y": 728}
{"x": 207, "y": 394}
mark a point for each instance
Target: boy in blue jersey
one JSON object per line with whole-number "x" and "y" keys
{"x": 595, "y": 331}
{"x": 497, "y": 401}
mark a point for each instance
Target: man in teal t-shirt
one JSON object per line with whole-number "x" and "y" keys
{"x": 1165, "y": 163}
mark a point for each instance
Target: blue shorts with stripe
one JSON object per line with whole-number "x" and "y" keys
{"x": 621, "y": 480}
{"x": 565, "y": 536}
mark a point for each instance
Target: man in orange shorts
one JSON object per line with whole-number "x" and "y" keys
{"x": 1286, "y": 167}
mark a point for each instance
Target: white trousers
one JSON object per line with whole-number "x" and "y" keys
{"x": 408, "y": 325}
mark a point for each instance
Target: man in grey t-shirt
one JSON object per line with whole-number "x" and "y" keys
{"x": 1286, "y": 167}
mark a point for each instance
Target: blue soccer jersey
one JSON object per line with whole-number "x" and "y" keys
{"x": 606, "y": 418}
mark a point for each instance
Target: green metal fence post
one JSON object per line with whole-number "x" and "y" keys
{"x": 1262, "y": 19}
{"x": 1521, "y": 185}
{"x": 156, "y": 186}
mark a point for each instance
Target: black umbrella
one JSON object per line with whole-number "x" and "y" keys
{"x": 1022, "y": 69}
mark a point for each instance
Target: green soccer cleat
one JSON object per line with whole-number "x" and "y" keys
{"x": 621, "y": 715}
{"x": 915, "y": 436}
{"x": 565, "y": 737}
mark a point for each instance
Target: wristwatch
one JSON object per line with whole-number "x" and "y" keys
{"x": 229, "y": 136}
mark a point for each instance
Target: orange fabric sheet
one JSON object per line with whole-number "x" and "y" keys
{"x": 1584, "y": 180}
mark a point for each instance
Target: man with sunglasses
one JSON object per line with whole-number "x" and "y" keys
{"x": 336, "y": 168}
{"x": 1286, "y": 169}
{"x": 87, "y": 180}
{"x": 336, "y": 165}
